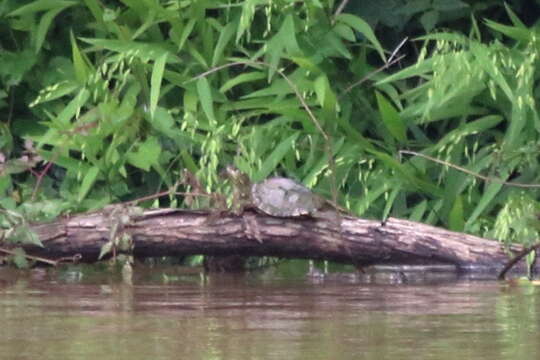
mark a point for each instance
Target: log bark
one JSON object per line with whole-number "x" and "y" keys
{"x": 174, "y": 232}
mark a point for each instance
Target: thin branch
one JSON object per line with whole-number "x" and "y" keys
{"x": 73, "y": 258}
{"x": 400, "y": 45}
{"x": 472, "y": 173}
{"x": 368, "y": 76}
{"x": 516, "y": 258}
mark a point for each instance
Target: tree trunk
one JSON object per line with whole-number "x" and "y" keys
{"x": 173, "y": 232}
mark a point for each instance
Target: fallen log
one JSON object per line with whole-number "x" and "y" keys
{"x": 175, "y": 232}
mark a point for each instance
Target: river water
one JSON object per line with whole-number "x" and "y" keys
{"x": 166, "y": 313}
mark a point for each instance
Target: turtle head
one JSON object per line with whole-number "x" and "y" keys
{"x": 231, "y": 172}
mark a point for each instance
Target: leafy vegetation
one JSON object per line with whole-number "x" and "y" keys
{"x": 107, "y": 102}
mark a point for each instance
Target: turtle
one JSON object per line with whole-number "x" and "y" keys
{"x": 275, "y": 196}
{"x": 284, "y": 197}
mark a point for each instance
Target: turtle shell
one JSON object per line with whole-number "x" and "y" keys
{"x": 284, "y": 197}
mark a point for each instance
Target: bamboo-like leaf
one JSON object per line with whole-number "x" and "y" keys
{"x": 456, "y": 220}
{"x": 362, "y": 27}
{"x": 19, "y": 259}
{"x": 82, "y": 70}
{"x": 489, "y": 195}
{"x": 345, "y": 32}
{"x": 72, "y": 109}
{"x": 390, "y": 201}
{"x": 185, "y": 33}
{"x": 391, "y": 118}
{"x": 205, "y": 97}
{"x": 105, "y": 249}
{"x": 146, "y": 155}
{"x": 513, "y": 32}
{"x": 513, "y": 17}
{"x": 417, "y": 70}
{"x": 335, "y": 42}
{"x": 285, "y": 39}
{"x": 418, "y": 212}
{"x": 325, "y": 95}
{"x": 471, "y": 128}
{"x": 307, "y": 64}
{"x": 242, "y": 78}
{"x": 95, "y": 8}
{"x": 88, "y": 181}
{"x": 482, "y": 53}
{"x": 144, "y": 51}
{"x": 270, "y": 163}
{"x": 224, "y": 38}
{"x": 43, "y": 27}
{"x": 41, "y": 5}
{"x": 155, "y": 82}
{"x": 55, "y": 92}
{"x": 248, "y": 11}
{"x": 406, "y": 173}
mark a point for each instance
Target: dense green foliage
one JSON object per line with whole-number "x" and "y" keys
{"x": 108, "y": 101}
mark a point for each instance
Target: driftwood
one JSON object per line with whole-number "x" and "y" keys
{"x": 172, "y": 232}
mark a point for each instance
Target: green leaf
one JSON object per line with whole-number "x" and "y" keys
{"x": 513, "y": 17}
{"x": 72, "y": 109}
{"x": 155, "y": 82}
{"x": 391, "y": 118}
{"x": 362, "y": 27}
{"x": 105, "y": 249}
{"x": 390, "y": 201}
{"x": 418, "y": 212}
{"x": 325, "y": 95}
{"x": 416, "y": 70}
{"x": 242, "y": 78}
{"x": 224, "y": 38}
{"x": 345, "y": 32}
{"x": 24, "y": 235}
{"x": 429, "y": 20}
{"x": 163, "y": 122}
{"x": 456, "y": 221}
{"x": 82, "y": 70}
{"x": 270, "y": 163}
{"x": 41, "y": 5}
{"x": 492, "y": 190}
{"x": 334, "y": 42}
{"x": 307, "y": 64}
{"x": 284, "y": 40}
{"x": 19, "y": 259}
{"x": 146, "y": 155}
{"x": 88, "y": 181}
{"x": 406, "y": 174}
{"x": 43, "y": 27}
{"x": 142, "y": 50}
{"x": 95, "y": 8}
{"x": 55, "y": 92}
{"x": 185, "y": 33}
{"x": 205, "y": 97}
{"x": 248, "y": 11}
{"x": 513, "y": 32}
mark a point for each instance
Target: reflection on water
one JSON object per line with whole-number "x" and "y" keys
{"x": 175, "y": 315}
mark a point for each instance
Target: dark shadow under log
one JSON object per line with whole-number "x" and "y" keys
{"x": 172, "y": 232}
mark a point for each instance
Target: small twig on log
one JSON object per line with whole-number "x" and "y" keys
{"x": 55, "y": 263}
{"x": 516, "y": 258}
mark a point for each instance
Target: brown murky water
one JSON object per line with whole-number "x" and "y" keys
{"x": 166, "y": 315}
